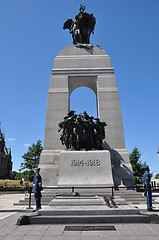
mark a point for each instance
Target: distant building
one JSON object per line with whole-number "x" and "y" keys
{"x": 5, "y": 159}
{"x": 155, "y": 183}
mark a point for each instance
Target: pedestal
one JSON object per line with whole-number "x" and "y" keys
{"x": 85, "y": 170}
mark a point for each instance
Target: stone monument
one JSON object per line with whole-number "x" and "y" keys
{"x": 75, "y": 66}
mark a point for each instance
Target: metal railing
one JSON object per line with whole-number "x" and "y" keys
{"x": 73, "y": 188}
{"x": 30, "y": 191}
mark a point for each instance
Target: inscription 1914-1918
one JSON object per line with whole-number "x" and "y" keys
{"x": 88, "y": 163}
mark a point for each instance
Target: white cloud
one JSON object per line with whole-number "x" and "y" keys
{"x": 11, "y": 139}
{"x": 26, "y": 145}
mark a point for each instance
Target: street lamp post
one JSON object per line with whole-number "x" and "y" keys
{"x": 158, "y": 153}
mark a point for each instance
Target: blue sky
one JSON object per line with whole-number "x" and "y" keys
{"x": 31, "y": 35}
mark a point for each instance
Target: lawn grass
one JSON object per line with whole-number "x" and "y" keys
{"x": 12, "y": 183}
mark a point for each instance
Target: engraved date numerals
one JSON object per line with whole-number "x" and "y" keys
{"x": 88, "y": 163}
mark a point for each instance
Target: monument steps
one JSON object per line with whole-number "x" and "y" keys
{"x": 128, "y": 194}
{"x": 47, "y": 201}
{"x": 130, "y": 197}
{"x": 87, "y": 210}
{"x": 83, "y": 210}
{"x": 89, "y": 219}
{"x": 77, "y": 201}
{"x": 27, "y": 203}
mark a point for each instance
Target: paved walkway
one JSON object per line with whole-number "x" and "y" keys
{"x": 10, "y": 231}
{"x": 7, "y": 201}
{"x": 6, "y": 204}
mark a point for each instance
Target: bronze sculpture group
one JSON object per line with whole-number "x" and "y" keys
{"x": 81, "y": 28}
{"x": 80, "y": 131}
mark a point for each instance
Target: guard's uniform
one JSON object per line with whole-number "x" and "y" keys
{"x": 148, "y": 191}
{"x": 37, "y": 188}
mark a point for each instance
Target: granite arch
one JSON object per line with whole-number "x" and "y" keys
{"x": 75, "y": 67}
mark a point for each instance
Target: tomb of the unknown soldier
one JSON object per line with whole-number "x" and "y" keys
{"x": 85, "y": 167}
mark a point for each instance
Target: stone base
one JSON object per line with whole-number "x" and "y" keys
{"x": 77, "y": 201}
{"x": 122, "y": 169}
{"x": 49, "y": 167}
{"x": 85, "y": 169}
{"x": 120, "y": 165}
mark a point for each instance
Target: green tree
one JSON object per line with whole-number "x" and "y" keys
{"x": 137, "y": 165}
{"x": 31, "y": 161}
{"x": 18, "y": 176}
{"x": 13, "y": 175}
{"x": 25, "y": 174}
{"x": 157, "y": 176}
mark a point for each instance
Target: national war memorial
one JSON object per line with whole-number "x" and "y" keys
{"x": 63, "y": 162}
{"x": 84, "y": 158}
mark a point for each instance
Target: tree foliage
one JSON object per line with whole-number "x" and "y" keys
{"x": 157, "y": 176}
{"x": 31, "y": 161}
{"x": 137, "y": 165}
{"x": 13, "y": 175}
{"x": 25, "y": 174}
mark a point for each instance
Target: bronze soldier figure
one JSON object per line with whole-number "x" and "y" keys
{"x": 81, "y": 132}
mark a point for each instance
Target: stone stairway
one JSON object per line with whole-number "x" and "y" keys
{"x": 131, "y": 197}
{"x": 46, "y": 199}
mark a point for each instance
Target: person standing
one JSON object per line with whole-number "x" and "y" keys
{"x": 37, "y": 188}
{"x": 147, "y": 185}
{"x": 21, "y": 182}
{"x": 26, "y": 187}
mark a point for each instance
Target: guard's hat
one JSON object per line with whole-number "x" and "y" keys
{"x": 147, "y": 167}
{"x": 37, "y": 168}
